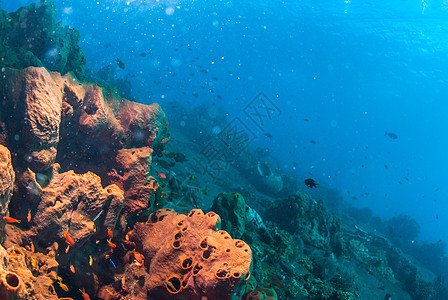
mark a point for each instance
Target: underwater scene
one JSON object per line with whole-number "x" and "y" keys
{"x": 214, "y": 150}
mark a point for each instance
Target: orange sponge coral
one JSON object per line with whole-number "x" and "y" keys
{"x": 189, "y": 256}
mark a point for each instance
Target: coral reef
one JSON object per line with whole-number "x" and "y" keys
{"x": 132, "y": 176}
{"x": 31, "y": 37}
{"x": 262, "y": 294}
{"x": 58, "y": 118}
{"x": 27, "y": 275}
{"x": 69, "y": 202}
{"x": 232, "y": 207}
{"x": 303, "y": 215}
{"x": 188, "y": 256}
{"x": 7, "y": 177}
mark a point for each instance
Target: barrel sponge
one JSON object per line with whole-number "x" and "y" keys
{"x": 189, "y": 256}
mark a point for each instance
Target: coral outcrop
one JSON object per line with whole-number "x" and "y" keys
{"x": 303, "y": 215}
{"x": 232, "y": 208}
{"x": 7, "y": 177}
{"x": 31, "y": 37}
{"x": 262, "y": 294}
{"x": 132, "y": 176}
{"x": 70, "y": 202}
{"x": 187, "y": 256}
{"x": 27, "y": 275}
{"x": 56, "y": 118}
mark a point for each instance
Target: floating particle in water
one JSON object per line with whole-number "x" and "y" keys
{"x": 169, "y": 11}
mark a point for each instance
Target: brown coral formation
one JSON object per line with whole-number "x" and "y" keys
{"x": 49, "y": 108}
{"x": 7, "y": 177}
{"x": 71, "y": 202}
{"x": 132, "y": 176}
{"x": 56, "y": 118}
{"x": 187, "y": 256}
{"x": 27, "y": 275}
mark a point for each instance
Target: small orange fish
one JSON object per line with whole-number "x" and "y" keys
{"x": 138, "y": 264}
{"x": 72, "y": 268}
{"x": 68, "y": 248}
{"x": 107, "y": 256}
{"x": 138, "y": 257}
{"x": 123, "y": 282}
{"x": 28, "y": 218}
{"x": 161, "y": 175}
{"x": 126, "y": 237}
{"x": 32, "y": 248}
{"x": 63, "y": 286}
{"x": 110, "y": 233}
{"x": 85, "y": 296}
{"x": 112, "y": 245}
{"x": 10, "y": 220}
{"x": 90, "y": 261}
{"x": 68, "y": 238}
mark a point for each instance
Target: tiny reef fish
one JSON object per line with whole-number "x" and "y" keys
{"x": 112, "y": 245}
{"x": 85, "y": 296}
{"x": 110, "y": 233}
{"x": 68, "y": 238}
{"x": 63, "y": 286}
{"x": 28, "y": 218}
{"x": 112, "y": 263}
{"x": 120, "y": 64}
{"x": 90, "y": 260}
{"x": 10, "y": 220}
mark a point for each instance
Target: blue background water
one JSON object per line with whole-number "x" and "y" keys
{"x": 354, "y": 69}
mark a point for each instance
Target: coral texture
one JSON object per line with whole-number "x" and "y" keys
{"x": 262, "y": 294}
{"x": 232, "y": 208}
{"x": 27, "y": 275}
{"x": 187, "y": 256}
{"x": 132, "y": 176}
{"x": 70, "y": 202}
{"x": 7, "y": 177}
{"x": 31, "y": 37}
{"x": 60, "y": 119}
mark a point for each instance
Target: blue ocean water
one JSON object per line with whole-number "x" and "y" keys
{"x": 342, "y": 74}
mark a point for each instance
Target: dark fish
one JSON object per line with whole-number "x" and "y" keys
{"x": 306, "y": 120}
{"x": 313, "y": 142}
{"x": 120, "y": 64}
{"x": 203, "y": 71}
{"x": 219, "y": 97}
{"x": 195, "y": 95}
{"x": 391, "y": 135}
{"x": 267, "y": 134}
{"x": 164, "y": 164}
{"x": 143, "y": 54}
{"x": 108, "y": 45}
{"x": 180, "y": 157}
{"x": 215, "y": 78}
{"x": 191, "y": 74}
{"x": 311, "y": 183}
{"x": 170, "y": 155}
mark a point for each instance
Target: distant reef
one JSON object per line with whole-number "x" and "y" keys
{"x": 30, "y": 36}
